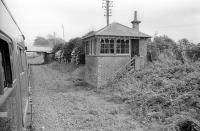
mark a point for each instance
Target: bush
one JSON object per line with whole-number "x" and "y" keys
{"x": 194, "y": 53}
{"x": 77, "y": 46}
{"x": 57, "y": 47}
{"x": 162, "y": 92}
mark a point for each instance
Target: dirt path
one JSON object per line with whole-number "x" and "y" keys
{"x": 60, "y": 105}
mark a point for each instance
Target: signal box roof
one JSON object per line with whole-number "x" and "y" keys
{"x": 117, "y": 29}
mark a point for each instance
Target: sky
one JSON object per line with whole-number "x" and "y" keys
{"x": 175, "y": 18}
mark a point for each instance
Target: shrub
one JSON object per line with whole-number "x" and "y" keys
{"x": 162, "y": 92}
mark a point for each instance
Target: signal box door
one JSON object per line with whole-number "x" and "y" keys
{"x": 134, "y": 47}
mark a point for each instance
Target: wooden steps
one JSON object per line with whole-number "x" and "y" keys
{"x": 123, "y": 70}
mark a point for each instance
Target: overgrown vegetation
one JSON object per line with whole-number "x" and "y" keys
{"x": 165, "y": 95}
{"x": 183, "y": 50}
{"x": 162, "y": 93}
{"x": 57, "y": 47}
{"x": 72, "y": 51}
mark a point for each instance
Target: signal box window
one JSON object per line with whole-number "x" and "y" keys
{"x": 107, "y": 46}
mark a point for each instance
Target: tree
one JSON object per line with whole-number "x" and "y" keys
{"x": 163, "y": 42}
{"x": 184, "y": 43}
{"x": 41, "y": 41}
{"x": 70, "y": 46}
{"x": 159, "y": 44}
{"x": 193, "y": 53}
{"x": 57, "y": 47}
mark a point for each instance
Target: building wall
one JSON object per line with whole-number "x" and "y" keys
{"x": 91, "y": 70}
{"x": 100, "y": 68}
{"x": 142, "y": 59}
{"x": 108, "y": 65}
{"x": 143, "y": 48}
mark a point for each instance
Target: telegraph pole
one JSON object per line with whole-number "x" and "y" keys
{"x": 63, "y": 34}
{"x": 54, "y": 34}
{"x": 106, "y": 5}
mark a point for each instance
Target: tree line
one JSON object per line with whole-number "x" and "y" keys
{"x": 183, "y": 50}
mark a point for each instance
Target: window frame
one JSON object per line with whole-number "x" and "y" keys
{"x": 6, "y": 50}
{"x": 122, "y": 49}
{"x": 87, "y": 48}
{"x": 20, "y": 59}
{"x": 107, "y": 47}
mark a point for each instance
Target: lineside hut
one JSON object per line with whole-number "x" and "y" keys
{"x": 110, "y": 48}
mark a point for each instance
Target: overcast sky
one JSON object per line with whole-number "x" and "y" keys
{"x": 175, "y": 18}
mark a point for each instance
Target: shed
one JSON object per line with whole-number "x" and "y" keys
{"x": 110, "y": 48}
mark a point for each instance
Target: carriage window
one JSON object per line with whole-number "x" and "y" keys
{"x": 21, "y": 68}
{"x": 5, "y": 66}
{"x": 24, "y": 60}
{"x": 2, "y": 77}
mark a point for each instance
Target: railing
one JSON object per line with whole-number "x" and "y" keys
{"x": 123, "y": 70}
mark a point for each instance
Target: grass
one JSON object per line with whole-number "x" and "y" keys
{"x": 63, "y": 68}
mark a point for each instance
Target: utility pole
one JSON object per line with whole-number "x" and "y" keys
{"x": 54, "y": 34}
{"x": 106, "y": 5}
{"x": 63, "y": 34}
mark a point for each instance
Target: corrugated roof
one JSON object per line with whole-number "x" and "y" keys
{"x": 117, "y": 29}
{"x": 39, "y": 49}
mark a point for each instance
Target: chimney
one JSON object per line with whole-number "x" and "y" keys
{"x": 135, "y": 22}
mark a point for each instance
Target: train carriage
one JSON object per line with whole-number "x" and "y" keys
{"x": 13, "y": 73}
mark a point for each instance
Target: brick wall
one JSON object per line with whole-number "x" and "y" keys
{"x": 91, "y": 70}
{"x": 99, "y": 69}
{"x": 142, "y": 59}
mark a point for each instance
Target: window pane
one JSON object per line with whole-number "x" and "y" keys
{"x": 127, "y": 45}
{"x": 102, "y": 45}
{"x": 111, "y": 41}
{"x": 122, "y": 45}
{"x": 106, "y": 46}
{"x": 112, "y": 46}
{"x": 102, "y": 41}
{"x": 122, "y": 50}
{"x": 87, "y": 48}
{"x": 127, "y": 50}
{"x": 102, "y": 48}
{"x": 2, "y": 77}
{"x": 6, "y": 71}
{"x": 111, "y": 50}
{"x": 106, "y": 41}
{"x": 118, "y": 50}
{"x": 106, "y": 50}
{"x": 118, "y": 46}
{"x": 102, "y": 51}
